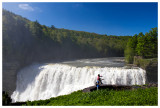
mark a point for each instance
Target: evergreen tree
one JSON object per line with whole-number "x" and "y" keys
{"x": 53, "y": 27}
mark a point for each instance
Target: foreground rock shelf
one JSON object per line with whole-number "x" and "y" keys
{"x": 105, "y": 86}
{"x": 119, "y": 87}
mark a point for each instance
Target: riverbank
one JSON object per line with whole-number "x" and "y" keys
{"x": 151, "y": 67}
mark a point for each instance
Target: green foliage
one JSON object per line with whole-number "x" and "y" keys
{"x": 130, "y": 49}
{"x": 129, "y": 55}
{"x": 133, "y": 42}
{"x": 148, "y": 96}
{"x": 36, "y": 29}
{"x": 147, "y": 44}
{"x": 53, "y": 27}
{"x": 6, "y": 99}
{"x": 142, "y": 45}
{"x": 143, "y": 63}
{"x": 35, "y": 42}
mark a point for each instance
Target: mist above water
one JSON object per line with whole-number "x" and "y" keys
{"x": 43, "y": 81}
{"x": 100, "y": 62}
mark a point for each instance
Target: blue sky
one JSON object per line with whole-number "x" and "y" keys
{"x": 102, "y": 18}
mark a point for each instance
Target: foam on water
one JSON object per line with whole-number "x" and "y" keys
{"x": 43, "y": 81}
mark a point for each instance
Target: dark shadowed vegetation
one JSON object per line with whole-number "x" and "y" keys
{"x": 26, "y": 41}
{"x": 6, "y": 100}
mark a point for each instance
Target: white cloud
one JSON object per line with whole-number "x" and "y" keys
{"x": 26, "y": 7}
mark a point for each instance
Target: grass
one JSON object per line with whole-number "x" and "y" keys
{"x": 104, "y": 97}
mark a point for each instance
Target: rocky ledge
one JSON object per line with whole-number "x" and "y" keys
{"x": 119, "y": 87}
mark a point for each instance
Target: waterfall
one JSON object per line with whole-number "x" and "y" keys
{"x": 43, "y": 81}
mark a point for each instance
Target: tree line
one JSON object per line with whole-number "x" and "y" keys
{"x": 25, "y": 40}
{"x": 144, "y": 45}
{"x": 29, "y": 41}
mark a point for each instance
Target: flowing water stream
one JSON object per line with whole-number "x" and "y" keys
{"x": 43, "y": 81}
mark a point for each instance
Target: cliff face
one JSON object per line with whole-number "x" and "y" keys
{"x": 151, "y": 67}
{"x": 9, "y": 76}
{"x": 152, "y": 73}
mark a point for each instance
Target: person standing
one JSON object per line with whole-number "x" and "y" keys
{"x": 97, "y": 84}
{"x": 99, "y": 81}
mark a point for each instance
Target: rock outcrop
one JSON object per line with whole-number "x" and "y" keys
{"x": 9, "y": 75}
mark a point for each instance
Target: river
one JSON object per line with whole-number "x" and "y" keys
{"x": 45, "y": 80}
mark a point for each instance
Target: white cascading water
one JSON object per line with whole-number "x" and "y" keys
{"x": 43, "y": 81}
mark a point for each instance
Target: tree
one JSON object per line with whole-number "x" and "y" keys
{"x": 154, "y": 39}
{"x": 147, "y": 44}
{"x": 141, "y": 44}
{"x": 53, "y": 27}
{"x": 36, "y": 29}
{"x": 129, "y": 52}
{"x": 42, "y": 41}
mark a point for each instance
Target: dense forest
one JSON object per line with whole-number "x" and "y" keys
{"x": 27, "y": 41}
{"x": 144, "y": 45}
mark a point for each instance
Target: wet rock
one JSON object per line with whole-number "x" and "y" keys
{"x": 105, "y": 86}
{"x": 9, "y": 76}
